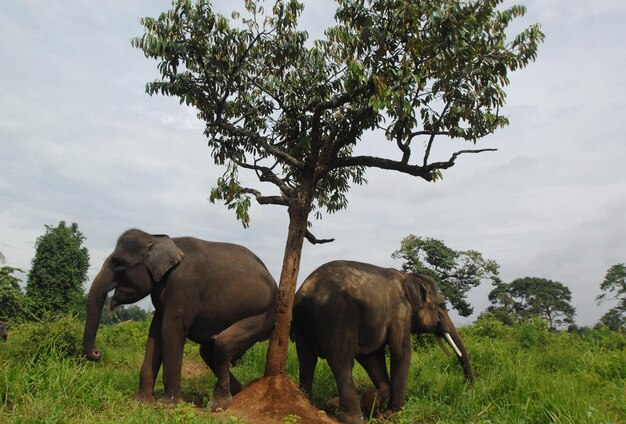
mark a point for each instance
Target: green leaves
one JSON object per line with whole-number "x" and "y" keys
{"x": 58, "y": 271}
{"x": 292, "y": 111}
{"x": 533, "y": 297}
{"x": 455, "y": 272}
{"x": 614, "y": 288}
{"x": 234, "y": 196}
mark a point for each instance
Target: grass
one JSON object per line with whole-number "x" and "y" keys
{"x": 525, "y": 374}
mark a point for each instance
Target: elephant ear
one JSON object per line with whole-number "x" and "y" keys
{"x": 415, "y": 291}
{"x": 162, "y": 256}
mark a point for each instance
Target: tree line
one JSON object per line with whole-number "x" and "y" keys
{"x": 55, "y": 284}
{"x": 456, "y": 272}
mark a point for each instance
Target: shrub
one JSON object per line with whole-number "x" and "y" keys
{"x": 55, "y": 338}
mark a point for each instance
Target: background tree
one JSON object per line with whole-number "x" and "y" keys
{"x": 58, "y": 271}
{"x": 121, "y": 313}
{"x": 13, "y": 305}
{"x": 292, "y": 112}
{"x": 455, "y": 272}
{"x": 531, "y": 297}
{"x": 502, "y": 305}
{"x": 614, "y": 288}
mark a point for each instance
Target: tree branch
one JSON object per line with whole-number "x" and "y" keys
{"x": 266, "y": 175}
{"x": 266, "y": 200}
{"x": 392, "y": 165}
{"x": 261, "y": 141}
{"x": 424, "y": 172}
{"x": 313, "y": 240}
{"x": 450, "y": 162}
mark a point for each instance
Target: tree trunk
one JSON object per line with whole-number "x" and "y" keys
{"x": 279, "y": 340}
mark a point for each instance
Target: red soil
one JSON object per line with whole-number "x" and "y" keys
{"x": 268, "y": 400}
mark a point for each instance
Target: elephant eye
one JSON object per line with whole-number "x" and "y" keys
{"x": 117, "y": 264}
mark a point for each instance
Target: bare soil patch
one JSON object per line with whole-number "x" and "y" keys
{"x": 269, "y": 400}
{"x": 194, "y": 369}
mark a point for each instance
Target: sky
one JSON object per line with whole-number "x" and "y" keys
{"x": 81, "y": 141}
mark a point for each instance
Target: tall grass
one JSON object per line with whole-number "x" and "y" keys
{"x": 525, "y": 374}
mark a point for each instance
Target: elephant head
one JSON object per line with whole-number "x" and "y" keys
{"x": 431, "y": 316}
{"x": 138, "y": 262}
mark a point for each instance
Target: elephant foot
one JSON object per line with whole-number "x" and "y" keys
{"x": 390, "y": 415}
{"x": 350, "y": 418}
{"x": 221, "y": 403}
{"x": 144, "y": 397}
{"x": 168, "y": 400}
{"x": 332, "y": 405}
{"x": 370, "y": 403}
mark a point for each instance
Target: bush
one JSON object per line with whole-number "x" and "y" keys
{"x": 533, "y": 333}
{"x": 488, "y": 325}
{"x": 55, "y": 338}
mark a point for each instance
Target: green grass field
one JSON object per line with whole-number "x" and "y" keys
{"x": 525, "y": 374}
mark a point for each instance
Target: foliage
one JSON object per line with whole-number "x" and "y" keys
{"x": 56, "y": 337}
{"x": 13, "y": 304}
{"x": 455, "y": 272}
{"x": 531, "y": 297}
{"x": 58, "y": 271}
{"x": 614, "y": 284}
{"x": 292, "y": 112}
{"x": 521, "y": 378}
{"x": 121, "y": 313}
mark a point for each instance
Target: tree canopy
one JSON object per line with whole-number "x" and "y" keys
{"x": 292, "y": 111}
{"x": 530, "y": 297}
{"x": 13, "y": 305}
{"x": 614, "y": 288}
{"x": 455, "y": 272}
{"x": 58, "y": 271}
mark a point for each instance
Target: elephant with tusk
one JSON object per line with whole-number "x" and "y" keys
{"x": 351, "y": 310}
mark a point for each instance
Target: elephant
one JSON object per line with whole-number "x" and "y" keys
{"x": 3, "y": 331}
{"x": 219, "y": 295}
{"x": 348, "y": 310}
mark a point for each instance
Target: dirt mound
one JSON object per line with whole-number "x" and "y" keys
{"x": 269, "y": 400}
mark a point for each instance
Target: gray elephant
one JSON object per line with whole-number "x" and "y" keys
{"x": 4, "y": 331}
{"x": 350, "y": 310}
{"x": 219, "y": 295}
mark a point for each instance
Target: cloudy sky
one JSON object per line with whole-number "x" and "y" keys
{"x": 80, "y": 141}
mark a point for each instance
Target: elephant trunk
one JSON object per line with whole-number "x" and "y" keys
{"x": 102, "y": 284}
{"x": 454, "y": 340}
{"x": 456, "y": 343}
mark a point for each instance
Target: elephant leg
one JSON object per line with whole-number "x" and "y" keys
{"x": 400, "y": 362}
{"x": 307, "y": 359}
{"x": 376, "y": 368}
{"x": 349, "y": 405}
{"x": 235, "y": 340}
{"x": 174, "y": 337}
{"x": 208, "y": 355}
{"x": 152, "y": 361}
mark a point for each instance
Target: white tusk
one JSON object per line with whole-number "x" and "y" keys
{"x": 449, "y": 340}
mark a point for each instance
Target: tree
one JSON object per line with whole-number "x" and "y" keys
{"x": 291, "y": 112}
{"x": 614, "y": 288}
{"x": 13, "y": 306}
{"x": 121, "y": 313}
{"x": 531, "y": 297}
{"x": 455, "y": 272}
{"x": 58, "y": 271}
